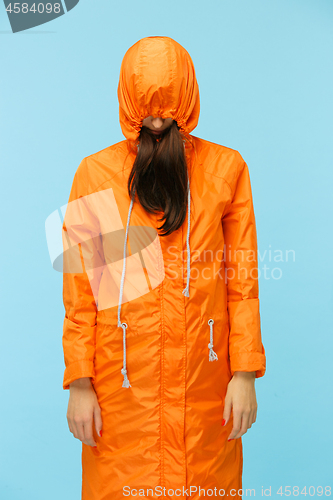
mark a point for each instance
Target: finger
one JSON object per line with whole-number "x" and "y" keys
{"x": 78, "y": 424}
{"x": 244, "y": 424}
{"x": 88, "y": 433}
{"x": 79, "y": 431}
{"x": 250, "y": 421}
{"x": 236, "y": 424}
{"x": 226, "y": 411}
{"x": 74, "y": 429}
{"x": 70, "y": 426}
{"x": 69, "y": 419}
{"x": 98, "y": 420}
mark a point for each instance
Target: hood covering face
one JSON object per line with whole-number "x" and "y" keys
{"x": 157, "y": 78}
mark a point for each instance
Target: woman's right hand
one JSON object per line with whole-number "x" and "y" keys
{"x": 83, "y": 409}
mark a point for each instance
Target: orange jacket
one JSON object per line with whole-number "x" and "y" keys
{"x": 161, "y": 331}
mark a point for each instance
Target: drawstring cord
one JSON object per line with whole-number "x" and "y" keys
{"x": 123, "y": 370}
{"x": 186, "y": 290}
{"x": 212, "y": 354}
{"x": 124, "y": 326}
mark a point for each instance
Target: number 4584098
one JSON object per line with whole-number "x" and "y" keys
{"x": 311, "y": 491}
{"x": 36, "y": 8}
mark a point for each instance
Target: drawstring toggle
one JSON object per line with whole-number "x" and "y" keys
{"x": 123, "y": 370}
{"x": 212, "y": 353}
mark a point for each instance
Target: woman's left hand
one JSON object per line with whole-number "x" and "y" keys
{"x": 241, "y": 398}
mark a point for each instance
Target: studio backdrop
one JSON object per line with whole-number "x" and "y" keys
{"x": 265, "y": 75}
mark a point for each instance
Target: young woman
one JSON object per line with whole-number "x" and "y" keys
{"x": 162, "y": 340}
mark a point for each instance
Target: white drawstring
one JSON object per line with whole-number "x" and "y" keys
{"x": 186, "y": 290}
{"x": 212, "y": 354}
{"x": 126, "y": 382}
{"x": 123, "y": 370}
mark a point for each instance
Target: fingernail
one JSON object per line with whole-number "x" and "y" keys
{"x": 230, "y": 439}
{"x": 100, "y": 433}
{"x": 223, "y": 422}
{"x": 94, "y": 446}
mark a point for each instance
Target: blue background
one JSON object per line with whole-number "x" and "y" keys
{"x": 265, "y": 77}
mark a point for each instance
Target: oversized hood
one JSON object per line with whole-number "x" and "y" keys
{"x": 157, "y": 78}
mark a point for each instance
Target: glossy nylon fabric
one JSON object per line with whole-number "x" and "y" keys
{"x": 164, "y": 429}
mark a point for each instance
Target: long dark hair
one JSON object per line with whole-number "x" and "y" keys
{"x": 159, "y": 176}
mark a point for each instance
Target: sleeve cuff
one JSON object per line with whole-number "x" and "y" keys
{"x": 78, "y": 369}
{"x": 248, "y": 362}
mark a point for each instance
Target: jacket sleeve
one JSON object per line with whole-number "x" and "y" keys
{"x": 82, "y": 270}
{"x": 246, "y": 350}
